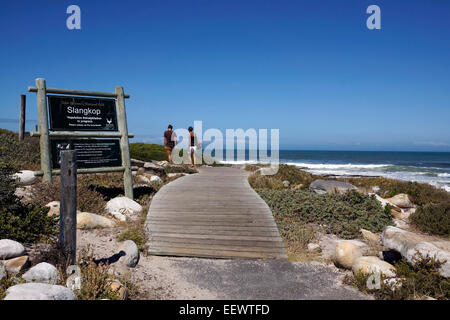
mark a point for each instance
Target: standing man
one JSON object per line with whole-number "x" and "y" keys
{"x": 170, "y": 141}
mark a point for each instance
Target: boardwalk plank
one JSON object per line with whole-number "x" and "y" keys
{"x": 213, "y": 214}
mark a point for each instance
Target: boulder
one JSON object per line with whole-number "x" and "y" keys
{"x": 330, "y": 186}
{"x": 86, "y": 220}
{"x": 15, "y": 265}
{"x": 123, "y": 206}
{"x": 370, "y": 236}
{"x": 346, "y": 252}
{"x": 129, "y": 253}
{"x": 54, "y": 208}
{"x": 156, "y": 179}
{"x": 137, "y": 163}
{"x": 25, "y": 177}
{"x": 401, "y": 200}
{"x": 383, "y": 201}
{"x": 39, "y": 291}
{"x": 286, "y": 183}
{"x": 410, "y": 245}
{"x": 171, "y": 175}
{"x": 142, "y": 179}
{"x": 314, "y": 247}
{"x": 150, "y": 166}
{"x": 10, "y": 249}
{"x": 119, "y": 289}
{"x": 25, "y": 193}
{"x": 43, "y": 273}
{"x": 369, "y": 265}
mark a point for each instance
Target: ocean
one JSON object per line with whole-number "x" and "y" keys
{"x": 424, "y": 167}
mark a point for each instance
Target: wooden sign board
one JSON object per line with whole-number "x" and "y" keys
{"x": 82, "y": 114}
{"x": 91, "y": 153}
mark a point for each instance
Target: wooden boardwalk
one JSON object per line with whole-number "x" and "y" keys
{"x": 212, "y": 214}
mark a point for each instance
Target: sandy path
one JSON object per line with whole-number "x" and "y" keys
{"x": 196, "y": 278}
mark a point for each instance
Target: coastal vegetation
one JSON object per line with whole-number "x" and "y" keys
{"x": 18, "y": 221}
{"x": 340, "y": 214}
{"x": 420, "y": 280}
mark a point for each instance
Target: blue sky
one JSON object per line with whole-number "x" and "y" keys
{"x": 309, "y": 68}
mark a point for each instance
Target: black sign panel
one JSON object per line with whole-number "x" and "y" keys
{"x": 82, "y": 114}
{"x": 91, "y": 153}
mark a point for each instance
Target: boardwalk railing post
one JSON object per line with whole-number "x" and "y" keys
{"x": 124, "y": 146}
{"x": 44, "y": 140}
{"x": 23, "y": 100}
{"x": 68, "y": 205}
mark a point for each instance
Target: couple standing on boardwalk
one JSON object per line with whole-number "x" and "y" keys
{"x": 170, "y": 141}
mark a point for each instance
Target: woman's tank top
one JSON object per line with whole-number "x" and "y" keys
{"x": 193, "y": 140}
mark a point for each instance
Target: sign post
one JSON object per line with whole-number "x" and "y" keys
{"x": 92, "y": 123}
{"x": 68, "y": 205}
{"x": 23, "y": 103}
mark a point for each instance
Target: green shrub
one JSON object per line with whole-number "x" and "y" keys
{"x": 19, "y": 155}
{"x": 275, "y": 182}
{"x": 258, "y": 181}
{"x": 341, "y": 214}
{"x": 96, "y": 284}
{"x": 294, "y": 175}
{"x": 433, "y": 218}
{"x": 147, "y": 152}
{"x": 20, "y": 222}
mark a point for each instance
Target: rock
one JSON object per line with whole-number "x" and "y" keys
{"x": 137, "y": 163}
{"x": 162, "y": 163}
{"x": 150, "y": 166}
{"x": 86, "y": 220}
{"x": 171, "y": 175}
{"x": 371, "y": 264}
{"x": 409, "y": 245}
{"x": 130, "y": 253}
{"x": 15, "y": 265}
{"x": 370, "y": 236}
{"x": 119, "y": 289}
{"x": 121, "y": 207}
{"x": 400, "y": 223}
{"x": 401, "y": 200}
{"x": 156, "y": 179}
{"x": 383, "y": 201}
{"x": 330, "y": 186}
{"x": 43, "y": 273}
{"x": 314, "y": 247}
{"x": 2, "y": 271}
{"x": 25, "y": 177}
{"x": 39, "y": 291}
{"x": 142, "y": 179}
{"x": 346, "y": 252}
{"x": 394, "y": 283}
{"x": 74, "y": 280}
{"x": 376, "y": 189}
{"x": 299, "y": 186}
{"x": 10, "y": 249}
{"x": 286, "y": 183}
{"x": 54, "y": 208}
{"x": 398, "y": 213}
{"x": 25, "y": 193}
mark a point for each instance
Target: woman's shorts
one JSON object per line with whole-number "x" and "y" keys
{"x": 192, "y": 149}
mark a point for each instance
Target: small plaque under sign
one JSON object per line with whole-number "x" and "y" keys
{"x": 91, "y": 153}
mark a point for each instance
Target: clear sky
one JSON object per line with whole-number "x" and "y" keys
{"x": 309, "y": 68}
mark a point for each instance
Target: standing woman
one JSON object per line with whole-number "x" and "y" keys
{"x": 192, "y": 145}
